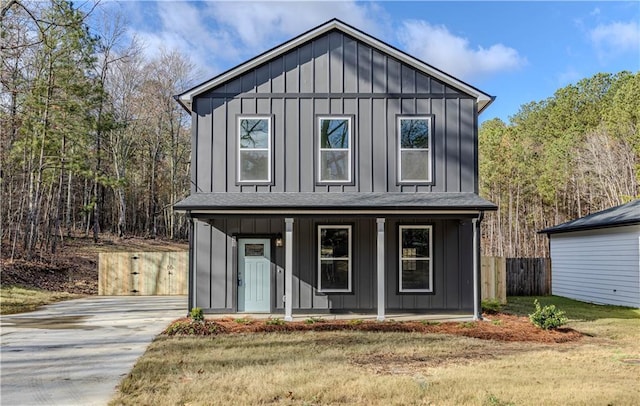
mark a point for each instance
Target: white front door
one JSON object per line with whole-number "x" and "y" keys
{"x": 254, "y": 275}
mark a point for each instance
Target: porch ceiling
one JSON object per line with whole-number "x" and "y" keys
{"x": 275, "y": 202}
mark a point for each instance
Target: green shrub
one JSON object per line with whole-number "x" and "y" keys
{"x": 491, "y": 306}
{"x": 314, "y": 320}
{"x": 429, "y": 322}
{"x": 274, "y": 322}
{"x": 497, "y": 322}
{"x": 548, "y": 317}
{"x": 355, "y": 322}
{"x": 196, "y": 314}
{"x": 243, "y": 320}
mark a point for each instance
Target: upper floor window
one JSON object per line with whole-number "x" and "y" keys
{"x": 334, "y": 258}
{"x": 334, "y": 160}
{"x": 414, "y": 160}
{"x": 416, "y": 263}
{"x": 254, "y": 149}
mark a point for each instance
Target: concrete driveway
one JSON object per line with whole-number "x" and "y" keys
{"x": 76, "y": 352}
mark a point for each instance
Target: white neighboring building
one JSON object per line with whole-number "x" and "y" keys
{"x": 596, "y": 258}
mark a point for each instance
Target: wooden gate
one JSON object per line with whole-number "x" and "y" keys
{"x": 143, "y": 274}
{"x": 494, "y": 279}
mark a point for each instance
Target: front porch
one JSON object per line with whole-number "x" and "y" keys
{"x": 337, "y": 255}
{"x": 381, "y": 277}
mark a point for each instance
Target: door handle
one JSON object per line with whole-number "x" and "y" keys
{"x": 239, "y": 282}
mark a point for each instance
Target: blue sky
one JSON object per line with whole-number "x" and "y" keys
{"x": 516, "y": 51}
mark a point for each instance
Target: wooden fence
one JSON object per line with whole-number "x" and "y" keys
{"x": 528, "y": 276}
{"x": 165, "y": 273}
{"x": 502, "y": 277}
{"x": 143, "y": 274}
{"x": 493, "y": 279}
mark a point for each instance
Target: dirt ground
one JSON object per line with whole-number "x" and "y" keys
{"x": 74, "y": 268}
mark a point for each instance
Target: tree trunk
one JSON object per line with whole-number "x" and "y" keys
{"x": 68, "y": 219}
{"x": 36, "y": 199}
{"x": 57, "y": 231}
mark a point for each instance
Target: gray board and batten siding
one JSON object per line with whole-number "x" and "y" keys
{"x": 216, "y": 268}
{"x": 334, "y": 74}
{"x": 335, "y": 70}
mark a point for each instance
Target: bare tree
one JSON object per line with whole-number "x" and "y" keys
{"x": 122, "y": 140}
{"x": 167, "y": 135}
{"x": 606, "y": 170}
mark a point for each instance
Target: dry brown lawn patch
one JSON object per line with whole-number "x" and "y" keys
{"x": 378, "y": 368}
{"x": 15, "y": 299}
{"x": 321, "y": 362}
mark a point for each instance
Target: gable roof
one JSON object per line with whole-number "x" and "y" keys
{"x": 483, "y": 99}
{"x": 626, "y": 214}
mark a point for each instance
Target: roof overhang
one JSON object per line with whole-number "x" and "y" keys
{"x": 483, "y": 99}
{"x": 347, "y": 213}
{"x": 554, "y": 230}
{"x": 619, "y": 216}
{"x": 326, "y": 203}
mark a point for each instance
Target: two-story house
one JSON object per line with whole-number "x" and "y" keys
{"x": 334, "y": 173}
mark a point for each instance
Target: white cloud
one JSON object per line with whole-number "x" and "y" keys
{"x": 438, "y": 47}
{"x": 179, "y": 26}
{"x": 616, "y": 38}
{"x": 186, "y": 27}
{"x": 217, "y": 35}
{"x": 261, "y": 25}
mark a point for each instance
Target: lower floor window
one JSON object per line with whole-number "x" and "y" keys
{"x": 334, "y": 258}
{"x": 416, "y": 264}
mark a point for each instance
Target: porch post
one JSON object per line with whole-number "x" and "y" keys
{"x": 380, "y": 268}
{"x": 476, "y": 271}
{"x": 191, "y": 302}
{"x": 288, "y": 270}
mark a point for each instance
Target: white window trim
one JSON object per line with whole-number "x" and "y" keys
{"x": 429, "y": 149}
{"x": 430, "y": 259}
{"x": 268, "y": 149}
{"x": 349, "y": 258}
{"x": 349, "y": 150}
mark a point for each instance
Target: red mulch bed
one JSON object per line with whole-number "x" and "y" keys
{"x": 509, "y": 328}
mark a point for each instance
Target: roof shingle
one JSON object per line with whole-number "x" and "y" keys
{"x": 346, "y": 201}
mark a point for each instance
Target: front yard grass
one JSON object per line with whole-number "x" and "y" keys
{"x": 372, "y": 368}
{"x": 14, "y": 299}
